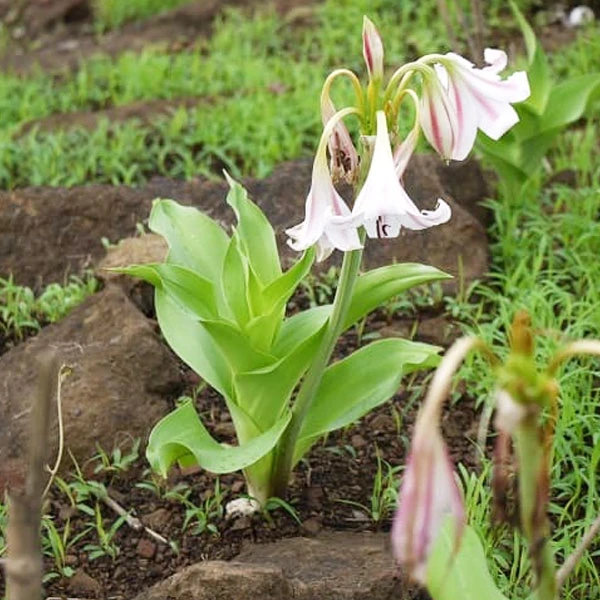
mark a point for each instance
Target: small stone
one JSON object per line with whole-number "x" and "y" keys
{"x": 311, "y": 526}
{"x": 157, "y": 519}
{"x": 146, "y": 548}
{"x": 358, "y": 441}
{"x": 241, "y": 523}
{"x": 241, "y": 507}
{"x": 237, "y": 486}
{"x": 84, "y": 584}
{"x": 71, "y": 560}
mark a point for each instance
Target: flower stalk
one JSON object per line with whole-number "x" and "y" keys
{"x": 284, "y": 460}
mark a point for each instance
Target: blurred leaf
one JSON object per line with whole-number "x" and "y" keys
{"x": 463, "y": 575}
{"x": 540, "y": 79}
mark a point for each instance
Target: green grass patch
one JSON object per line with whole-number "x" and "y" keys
{"x": 110, "y": 14}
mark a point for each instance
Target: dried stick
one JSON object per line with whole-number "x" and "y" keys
{"x": 479, "y": 38}
{"x": 24, "y": 566}
{"x": 445, "y": 15}
{"x": 132, "y": 521}
{"x": 573, "y": 559}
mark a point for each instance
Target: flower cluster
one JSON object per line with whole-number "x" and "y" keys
{"x": 455, "y": 100}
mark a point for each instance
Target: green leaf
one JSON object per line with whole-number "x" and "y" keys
{"x": 356, "y": 385}
{"x": 264, "y": 328}
{"x": 463, "y": 575}
{"x": 190, "y": 340}
{"x": 280, "y": 290}
{"x": 538, "y": 73}
{"x": 195, "y": 240}
{"x": 265, "y": 393}
{"x": 233, "y": 281}
{"x": 378, "y": 285}
{"x": 188, "y": 289}
{"x": 181, "y": 436}
{"x": 299, "y": 327}
{"x": 257, "y": 237}
{"x": 371, "y": 290}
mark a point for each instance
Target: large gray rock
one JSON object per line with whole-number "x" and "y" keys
{"x": 332, "y": 566}
{"x": 121, "y": 375}
{"x": 62, "y": 228}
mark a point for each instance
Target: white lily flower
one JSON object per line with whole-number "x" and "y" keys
{"x": 383, "y": 206}
{"x": 328, "y": 222}
{"x": 474, "y": 99}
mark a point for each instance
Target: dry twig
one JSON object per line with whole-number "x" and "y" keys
{"x": 23, "y": 565}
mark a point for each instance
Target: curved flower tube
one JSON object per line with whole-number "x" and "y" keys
{"x": 383, "y": 206}
{"x": 429, "y": 491}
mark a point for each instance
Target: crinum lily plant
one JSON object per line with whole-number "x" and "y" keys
{"x": 221, "y": 299}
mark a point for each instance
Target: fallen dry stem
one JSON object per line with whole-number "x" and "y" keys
{"x": 573, "y": 559}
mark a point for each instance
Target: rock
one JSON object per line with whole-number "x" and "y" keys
{"x": 334, "y": 565}
{"x": 157, "y": 520}
{"x": 84, "y": 584}
{"x": 331, "y": 566}
{"x": 62, "y": 228}
{"x": 311, "y": 526}
{"x": 120, "y": 376}
{"x": 146, "y": 548}
{"x": 222, "y": 580}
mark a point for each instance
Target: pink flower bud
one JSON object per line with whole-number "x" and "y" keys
{"x": 372, "y": 49}
{"x": 428, "y": 495}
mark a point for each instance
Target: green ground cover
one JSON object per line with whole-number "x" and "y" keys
{"x": 259, "y": 81}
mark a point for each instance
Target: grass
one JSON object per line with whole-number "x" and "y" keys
{"x": 257, "y": 82}
{"x": 22, "y": 312}
{"x": 110, "y": 14}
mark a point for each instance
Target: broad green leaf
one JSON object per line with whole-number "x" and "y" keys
{"x": 181, "y": 435}
{"x": 280, "y": 290}
{"x": 264, "y": 328}
{"x": 356, "y": 385}
{"x": 195, "y": 240}
{"x": 569, "y": 101}
{"x": 538, "y": 73}
{"x": 265, "y": 393}
{"x": 299, "y": 327}
{"x": 233, "y": 282}
{"x": 189, "y": 339}
{"x": 463, "y": 575}
{"x": 378, "y": 285}
{"x": 188, "y": 289}
{"x": 237, "y": 347}
{"x": 371, "y": 290}
{"x": 256, "y": 235}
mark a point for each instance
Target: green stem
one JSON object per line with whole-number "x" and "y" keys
{"x": 284, "y": 461}
{"x": 532, "y": 464}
